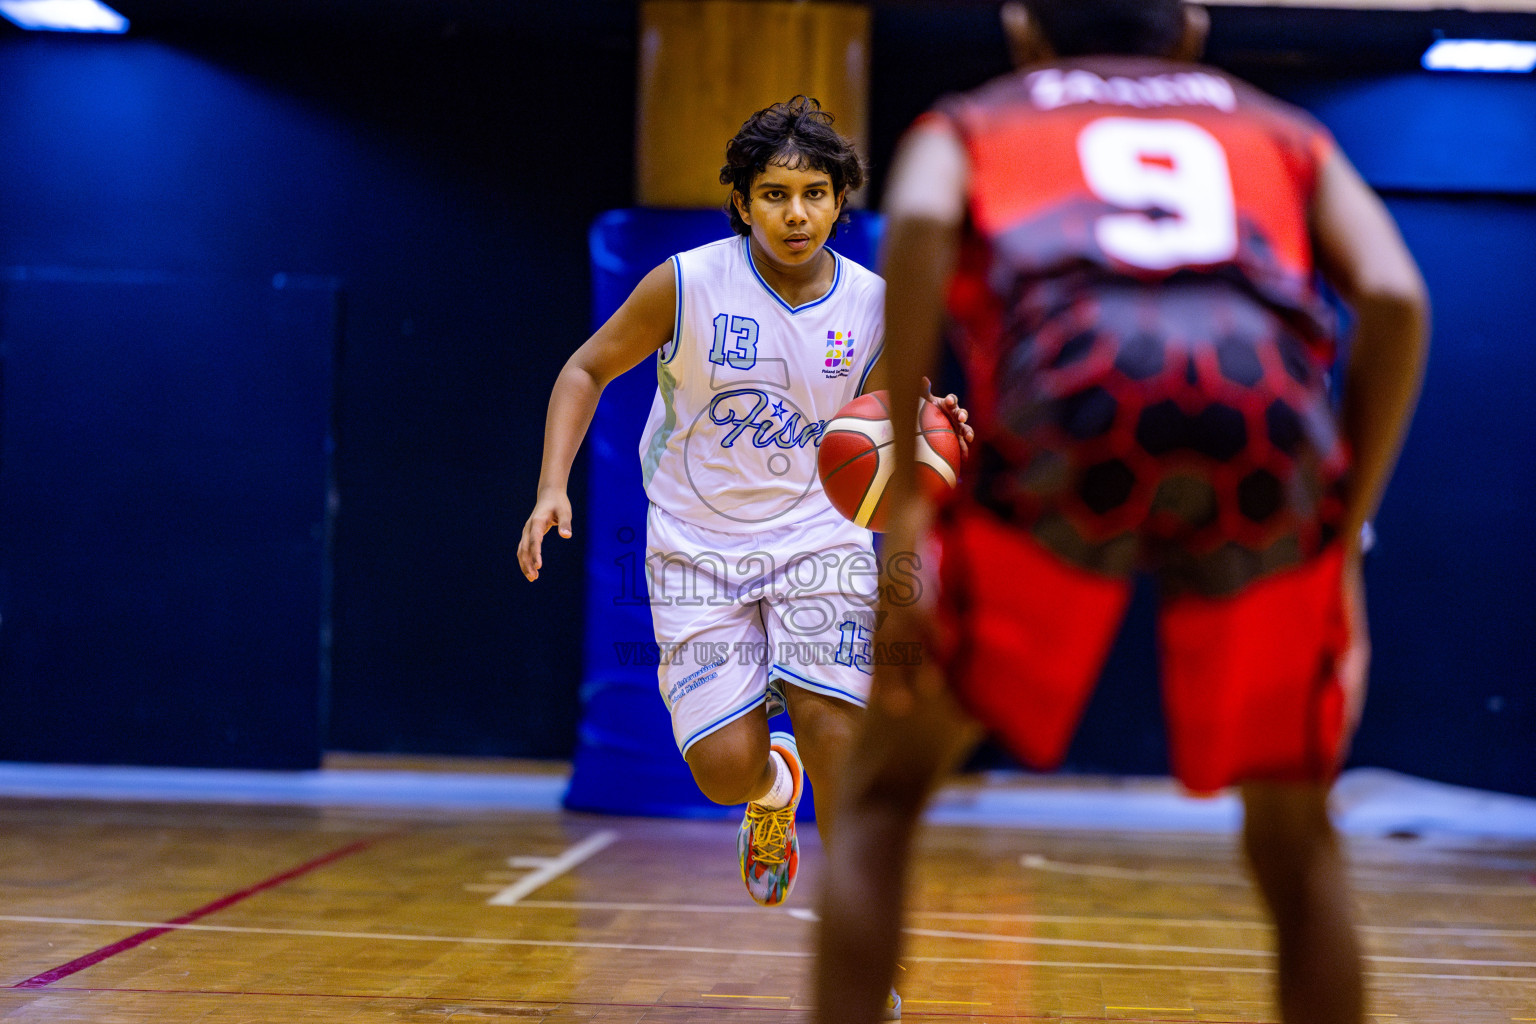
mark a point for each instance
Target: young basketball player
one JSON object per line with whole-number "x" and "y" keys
{"x": 757, "y": 585}
{"x": 1128, "y": 242}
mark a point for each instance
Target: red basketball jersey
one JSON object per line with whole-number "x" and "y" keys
{"x": 1115, "y": 170}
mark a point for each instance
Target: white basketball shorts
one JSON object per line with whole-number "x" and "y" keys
{"x": 794, "y": 603}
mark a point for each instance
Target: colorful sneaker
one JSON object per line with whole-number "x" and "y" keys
{"x": 892, "y": 1007}
{"x": 777, "y": 705}
{"x": 766, "y": 845}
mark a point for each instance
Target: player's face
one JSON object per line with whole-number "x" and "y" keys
{"x": 791, "y": 213}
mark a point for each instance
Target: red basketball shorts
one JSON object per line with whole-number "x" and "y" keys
{"x": 1249, "y": 685}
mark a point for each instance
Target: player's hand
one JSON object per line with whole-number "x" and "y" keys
{"x": 552, "y": 509}
{"x": 1354, "y": 663}
{"x": 950, "y": 406}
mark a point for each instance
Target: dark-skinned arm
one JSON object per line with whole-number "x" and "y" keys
{"x": 912, "y": 733}
{"x": 636, "y": 330}
{"x": 1363, "y": 256}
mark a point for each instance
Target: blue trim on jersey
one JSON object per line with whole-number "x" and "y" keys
{"x": 677, "y": 318}
{"x": 864, "y": 378}
{"x": 837, "y": 277}
{"x": 811, "y": 684}
{"x": 721, "y": 722}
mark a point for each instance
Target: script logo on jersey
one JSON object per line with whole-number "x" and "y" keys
{"x": 769, "y": 422}
{"x": 746, "y": 437}
{"x": 839, "y": 358}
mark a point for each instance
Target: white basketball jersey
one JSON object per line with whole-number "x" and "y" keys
{"x": 746, "y": 385}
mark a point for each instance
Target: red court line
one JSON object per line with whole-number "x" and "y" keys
{"x": 123, "y": 945}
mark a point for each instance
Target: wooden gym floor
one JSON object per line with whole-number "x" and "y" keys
{"x": 160, "y": 911}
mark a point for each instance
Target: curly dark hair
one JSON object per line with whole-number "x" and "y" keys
{"x": 797, "y": 135}
{"x": 1077, "y": 28}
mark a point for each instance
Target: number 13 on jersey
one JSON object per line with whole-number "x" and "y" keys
{"x": 735, "y": 341}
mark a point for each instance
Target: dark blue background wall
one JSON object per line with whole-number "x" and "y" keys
{"x": 444, "y": 172}
{"x": 162, "y": 516}
{"x": 446, "y": 183}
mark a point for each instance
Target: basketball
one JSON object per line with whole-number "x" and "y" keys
{"x": 857, "y": 449}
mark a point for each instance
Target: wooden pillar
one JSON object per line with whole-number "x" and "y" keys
{"x": 706, "y": 65}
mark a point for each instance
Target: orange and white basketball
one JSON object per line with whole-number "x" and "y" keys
{"x": 857, "y": 451}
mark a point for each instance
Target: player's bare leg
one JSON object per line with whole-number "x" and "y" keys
{"x": 825, "y": 728}
{"x": 1299, "y": 867}
{"x": 744, "y": 763}
{"x": 731, "y": 764}
{"x": 896, "y": 761}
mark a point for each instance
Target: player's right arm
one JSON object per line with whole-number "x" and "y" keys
{"x": 635, "y": 331}
{"x": 1363, "y": 256}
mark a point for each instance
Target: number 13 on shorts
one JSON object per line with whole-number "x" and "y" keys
{"x": 853, "y": 647}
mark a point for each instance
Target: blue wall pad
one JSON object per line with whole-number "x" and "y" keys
{"x": 625, "y": 760}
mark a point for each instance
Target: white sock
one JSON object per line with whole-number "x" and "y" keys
{"x": 783, "y": 789}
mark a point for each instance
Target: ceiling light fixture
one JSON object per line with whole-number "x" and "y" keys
{"x": 1480, "y": 55}
{"x": 63, "y": 15}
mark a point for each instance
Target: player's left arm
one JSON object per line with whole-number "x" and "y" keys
{"x": 911, "y": 733}
{"x": 959, "y": 417}
{"x": 925, "y": 210}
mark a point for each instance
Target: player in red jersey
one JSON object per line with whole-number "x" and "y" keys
{"x": 1128, "y": 245}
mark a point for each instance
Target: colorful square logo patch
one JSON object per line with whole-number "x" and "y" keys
{"x": 839, "y": 350}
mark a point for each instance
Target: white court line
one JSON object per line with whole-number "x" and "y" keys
{"x": 1030, "y": 940}
{"x": 651, "y": 908}
{"x": 805, "y": 914}
{"x": 478, "y": 940}
{"x": 549, "y": 868}
{"x": 782, "y": 954}
{"x": 1171, "y": 922}
{"x": 1036, "y": 862}
{"x": 1194, "y": 968}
